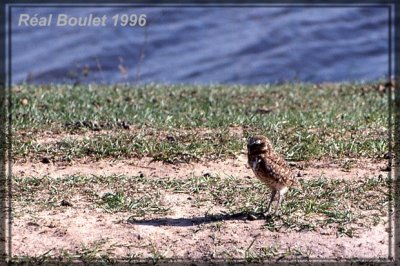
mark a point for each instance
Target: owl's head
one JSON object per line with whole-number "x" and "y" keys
{"x": 258, "y": 144}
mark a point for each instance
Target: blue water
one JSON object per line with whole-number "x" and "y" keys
{"x": 206, "y": 45}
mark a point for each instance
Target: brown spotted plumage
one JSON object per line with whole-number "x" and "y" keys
{"x": 270, "y": 168}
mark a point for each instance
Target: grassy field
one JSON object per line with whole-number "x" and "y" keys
{"x": 175, "y": 126}
{"x": 186, "y": 123}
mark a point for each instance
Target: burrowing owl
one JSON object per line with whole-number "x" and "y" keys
{"x": 270, "y": 168}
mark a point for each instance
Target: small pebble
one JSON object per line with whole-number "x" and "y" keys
{"x": 24, "y": 102}
{"x": 32, "y": 224}
{"x": 45, "y": 160}
{"x": 170, "y": 138}
{"x": 65, "y": 203}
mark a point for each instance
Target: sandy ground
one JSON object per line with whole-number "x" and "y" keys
{"x": 236, "y": 167}
{"x": 186, "y": 233}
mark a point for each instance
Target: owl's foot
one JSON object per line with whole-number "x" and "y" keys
{"x": 270, "y": 215}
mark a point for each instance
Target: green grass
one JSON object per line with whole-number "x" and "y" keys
{"x": 274, "y": 252}
{"x": 184, "y": 147}
{"x": 344, "y": 205}
{"x": 187, "y": 123}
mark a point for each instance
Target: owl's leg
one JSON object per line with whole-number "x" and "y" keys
{"x": 271, "y": 200}
{"x": 280, "y": 199}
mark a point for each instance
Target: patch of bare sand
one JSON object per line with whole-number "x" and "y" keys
{"x": 231, "y": 167}
{"x": 186, "y": 233}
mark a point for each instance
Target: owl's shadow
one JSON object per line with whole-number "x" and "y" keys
{"x": 198, "y": 220}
